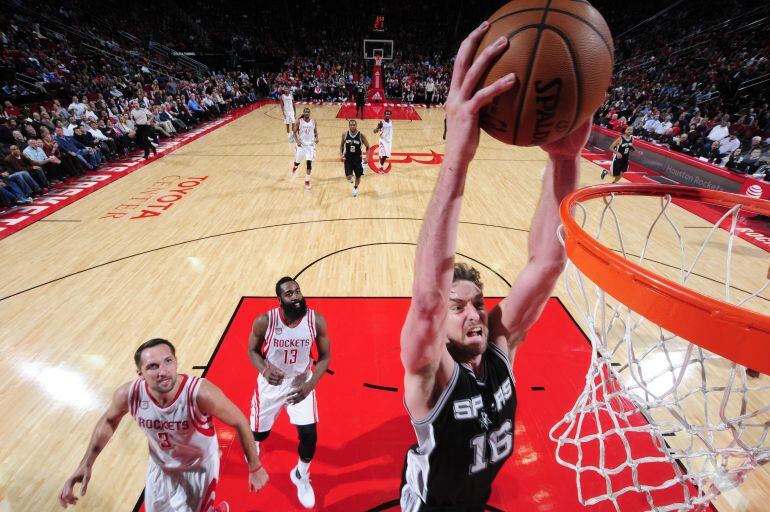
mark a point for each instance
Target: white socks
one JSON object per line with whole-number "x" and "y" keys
{"x": 303, "y": 467}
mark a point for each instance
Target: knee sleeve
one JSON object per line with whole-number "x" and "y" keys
{"x": 308, "y": 436}
{"x": 309, "y": 165}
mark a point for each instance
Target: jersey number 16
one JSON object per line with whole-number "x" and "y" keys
{"x": 500, "y": 444}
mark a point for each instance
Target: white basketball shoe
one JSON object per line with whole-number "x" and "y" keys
{"x": 305, "y": 492}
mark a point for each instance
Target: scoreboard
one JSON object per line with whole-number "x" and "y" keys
{"x": 379, "y": 23}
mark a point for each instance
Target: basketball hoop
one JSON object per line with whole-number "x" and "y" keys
{"x": 377, "y": 60}
{"x": 669, "y": 365}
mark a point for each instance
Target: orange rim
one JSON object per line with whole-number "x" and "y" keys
{"x": 731, "y": 331}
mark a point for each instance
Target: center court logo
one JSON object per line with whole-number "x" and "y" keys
{"x": 431, "y": 158}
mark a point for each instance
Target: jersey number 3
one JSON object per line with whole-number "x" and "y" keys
{"x": 500, "y": 444}
{"x": 290, "y": 359}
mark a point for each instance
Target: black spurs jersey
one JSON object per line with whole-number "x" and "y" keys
{"x": 353, "y": 146}
{"x": 464, "y": 442}
{"x": 626, "y": 146}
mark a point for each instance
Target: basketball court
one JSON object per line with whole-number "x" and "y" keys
{"x": 81, "y": 291}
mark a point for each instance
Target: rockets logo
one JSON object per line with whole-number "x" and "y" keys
{"x": 431, "y": 158}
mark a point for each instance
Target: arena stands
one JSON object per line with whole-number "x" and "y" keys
{"x": 693, "y": 76}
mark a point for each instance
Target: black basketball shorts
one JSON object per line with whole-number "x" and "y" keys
{"x": 354, "y": 167}
{"x": 619, "y": 166}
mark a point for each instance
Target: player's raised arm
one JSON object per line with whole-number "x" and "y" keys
{"x": 510, "y": 320}
{"x": 256, "y": 341}
{"x": 213, "y": 402}
{"x": 105, "y": 428}
{"x": 422, "y": 339}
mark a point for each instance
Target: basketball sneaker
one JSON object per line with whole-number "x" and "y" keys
{"x": 305, "y": 492}
{"x": 293, "y": 171}
{"x": 604, "y": 173}
{"x": 307, "y": 185}
{"x": 291, "y": 137}
{"x": 355, "y": 192}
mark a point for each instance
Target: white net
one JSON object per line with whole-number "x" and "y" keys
{"x": 662, "y": 423}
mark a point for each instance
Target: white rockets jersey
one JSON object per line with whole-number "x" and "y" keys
{"x": 387, "y": 131}
{"x": 180, "y": 436}
{"x": 288, "y": 348}
{"x": 307, "y": 131}
{"x": 287, "y": 99}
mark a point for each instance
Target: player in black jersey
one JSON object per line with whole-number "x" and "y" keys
{"x": 458, "y": 383}
{"x": 351, "y": 154}
{"x": 621, "y": 149}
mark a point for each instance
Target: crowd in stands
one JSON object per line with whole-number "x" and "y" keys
{"x": 339, "y": 78}
{"x": 116, "y": 106}
{"x": 689, "y": 76}
{"x": 699, "y": 86}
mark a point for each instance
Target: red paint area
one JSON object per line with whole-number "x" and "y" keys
{"x": 377, "y": 111}
{"x": 364, "y": 432}
{"x": 752, "y": 229}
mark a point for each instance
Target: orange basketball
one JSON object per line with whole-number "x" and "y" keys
{"x": 562, "y": 54}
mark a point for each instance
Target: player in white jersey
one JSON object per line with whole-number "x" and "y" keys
{"x": 287, "y": 107}
{"x": 176, "y": 413}
{"x": 279, "y": 348}
{"x": 306, "y": 136}
{"x": 385, "y": 129}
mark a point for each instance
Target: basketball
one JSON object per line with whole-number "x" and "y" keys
{"x": 562, "y": 54}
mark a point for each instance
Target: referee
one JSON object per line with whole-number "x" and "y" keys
{"x": 141, "y": 117}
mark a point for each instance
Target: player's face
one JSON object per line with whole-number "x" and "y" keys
{"x": 353, "y": 125}
{"x": 306, "y": 114}
{"x": 292, "y": 301}
{"x": 629, "y": 131}
{"x": 467, "y": 328}
{"x": 387, "y": 116}
{"x": 158, "y": 367}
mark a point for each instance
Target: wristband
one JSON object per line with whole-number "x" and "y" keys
{"x": 251, "y": 472}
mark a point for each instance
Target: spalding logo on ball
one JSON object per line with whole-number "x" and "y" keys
{"x": 562, "y": 54}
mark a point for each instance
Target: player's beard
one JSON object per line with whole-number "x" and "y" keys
{"x": 463, "y": 353}
{"x": 294, "y": 310}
